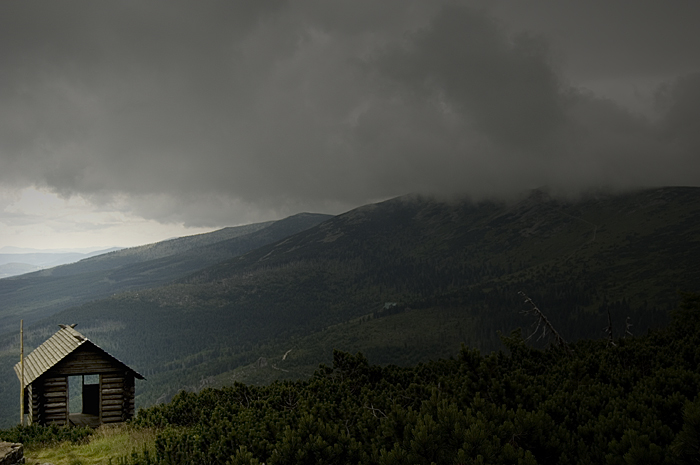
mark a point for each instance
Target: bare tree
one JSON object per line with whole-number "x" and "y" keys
{"x": 542, "y": 323}
{"x": 609, "y": 330}
{"x": 628, "y": 325}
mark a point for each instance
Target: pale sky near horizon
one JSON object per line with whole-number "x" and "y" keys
{"x": 125, "y": 123}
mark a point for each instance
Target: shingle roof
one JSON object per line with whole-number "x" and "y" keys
{"x": 52, "y": 351}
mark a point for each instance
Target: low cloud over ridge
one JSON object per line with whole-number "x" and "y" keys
{"x": 210, "y": 113}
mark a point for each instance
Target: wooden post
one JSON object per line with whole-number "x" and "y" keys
{"x": 21, "y": 369}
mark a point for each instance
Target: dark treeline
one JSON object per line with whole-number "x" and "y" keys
{"x": 633, "y": 401}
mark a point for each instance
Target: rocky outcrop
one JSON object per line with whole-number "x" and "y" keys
{"x": 11, "y": 453}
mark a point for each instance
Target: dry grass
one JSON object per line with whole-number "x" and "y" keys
{"x": 107, "y": 443}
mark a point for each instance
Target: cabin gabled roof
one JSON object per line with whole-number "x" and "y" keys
{"x": 55, "y": 349}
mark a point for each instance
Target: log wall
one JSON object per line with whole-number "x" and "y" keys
{"x": 53, "y": 401}
{"x": 115, "y": 397}
{"x": 32, "y": 403}
{"x": 49, "y": 393}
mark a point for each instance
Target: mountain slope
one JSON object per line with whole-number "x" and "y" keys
{"x": 639, "y": 247}
{"x": 40, "y": 294}
{"x": 453, "y": 269}
{"x": 153, "y": 251}
{"x": 455, "y": 262}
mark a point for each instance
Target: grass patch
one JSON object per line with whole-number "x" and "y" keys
{"x": 108, "y": 442}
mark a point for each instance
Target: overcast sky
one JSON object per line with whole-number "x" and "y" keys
{"x": 123, "y": 123}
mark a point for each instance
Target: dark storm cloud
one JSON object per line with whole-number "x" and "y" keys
{"x": 199, "y": 112}
{"x": 507, "y": 86}
{"x": 599, "y": 39}
{"x": 680, "y": 104}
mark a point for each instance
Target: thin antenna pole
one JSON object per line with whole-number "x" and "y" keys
{"x": 21, "y": 369}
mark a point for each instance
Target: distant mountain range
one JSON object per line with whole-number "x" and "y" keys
{"x": 14, "y": 269}
{"x": 15, "y": 261}
{"x": 79, "y": 250}
{"x": 404, "y": 281}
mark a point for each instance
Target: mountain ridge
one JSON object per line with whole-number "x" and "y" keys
{"x": 39, "y": 294}
{"x": 576, "y": 259}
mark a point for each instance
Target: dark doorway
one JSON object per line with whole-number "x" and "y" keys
{"x": 85, "y": 400}
{"x": 91, "y": 399}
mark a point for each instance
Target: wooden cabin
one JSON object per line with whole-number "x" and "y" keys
{"x": 107, "y": 385}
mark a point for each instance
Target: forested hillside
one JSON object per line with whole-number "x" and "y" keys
{"x": 37, "y": 295}
{"x": 405, "y": 281}
{"x": 453, "y": 269}
{"x": 621, "y": 401}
